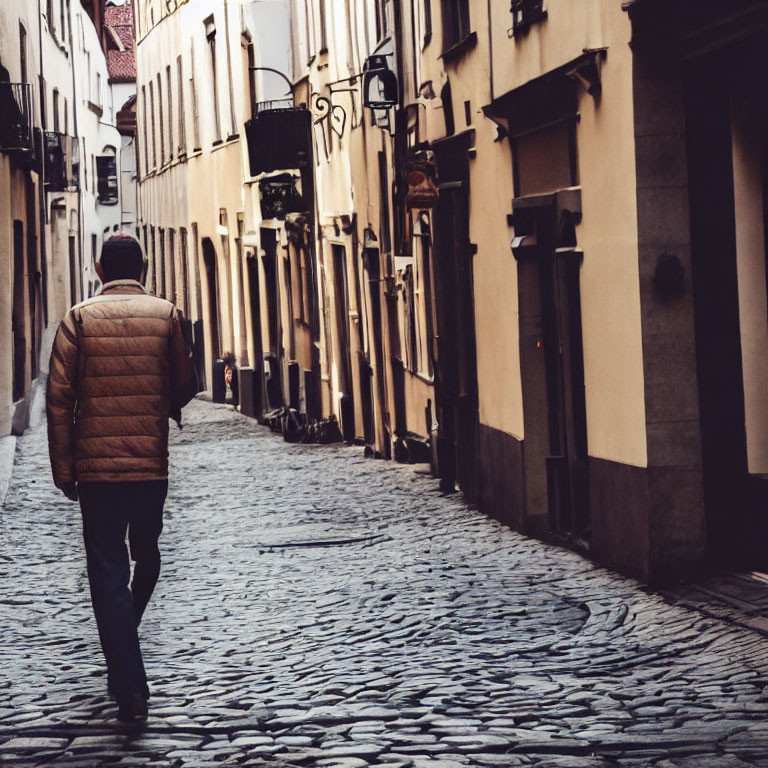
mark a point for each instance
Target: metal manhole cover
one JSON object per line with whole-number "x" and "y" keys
{"x": 315, "y": 536}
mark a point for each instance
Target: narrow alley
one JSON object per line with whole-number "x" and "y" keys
{"x": 319, "y": 608}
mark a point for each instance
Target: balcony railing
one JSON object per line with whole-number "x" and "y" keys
{"x": 58, "y": 162}
{"x": 266, "y": 106}
{"x": 16, "y": 134}
{"x": 279, "y": 137}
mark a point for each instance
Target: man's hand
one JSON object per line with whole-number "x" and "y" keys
{"x": 70, "y": 491}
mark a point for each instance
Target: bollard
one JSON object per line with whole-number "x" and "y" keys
{"x": 218, "y": 385}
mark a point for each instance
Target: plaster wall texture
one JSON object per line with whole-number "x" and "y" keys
{"x": 496, "y": 290}
{"x": 6, "y": 294}
{"x": 610, "y": 278}
{"x": 610, "y": 287}
{"x": 750, "y": 260}
{"x": 569, "y": 29}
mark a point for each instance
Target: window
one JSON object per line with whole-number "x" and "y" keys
{"x": 427, "y": 23}
{"x": 381, "y": 15}
{"x": 310, "y": 21}
{"x": 455, "y": 22}
{"x": 180, "y": 110}
{"x": 323, "y": 25}
{"x": 65, "y": 128}
{"x": 152, "y": 123}
{"x": 171, "y": 266}
{"x": 545, "y": 160}
{"x": 56, "y": 110}
{"x": 155, "y": 281}
{"x": 525, "y": 13}
{"x": 63, "y": 18}
{"x": 184, "y": 273}
{"x": 144, "y": 121}
{"x": 106, "y": 169}
{"x": 210, "y": 33}
{"x": 384, "y": 193}
{"x": 49, "y": 16}
{"x": 160, "y": 119}
{"x": 193, "y": 91}
{"x": 170, "y": 112}
{"x": 98, "y": 88}
{"x": 423, "y": 333}
{"x": 23, "y": 53}
{"x": 161, "y": 262}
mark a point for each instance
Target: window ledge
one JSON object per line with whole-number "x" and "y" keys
{"x": 233, "y": 137}
{"x": 95, "y": 108}
{"x": 457, "y": 50}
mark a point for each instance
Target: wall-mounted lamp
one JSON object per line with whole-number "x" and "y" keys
{"x": 380, "y": 89}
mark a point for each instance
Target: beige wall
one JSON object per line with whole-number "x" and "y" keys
{"x": 749, "y": 207}
{"x": 570, "y": 28}
{"x": 6, "y": 295}
{"x": 610, "y": 284}
{"x": 610, "y": 287}
{"x": 495, "y": 275}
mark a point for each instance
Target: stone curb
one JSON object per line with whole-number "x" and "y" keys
{"x": 7, "y": 456}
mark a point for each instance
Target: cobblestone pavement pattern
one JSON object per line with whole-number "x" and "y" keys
{"x": 319, "y": 608}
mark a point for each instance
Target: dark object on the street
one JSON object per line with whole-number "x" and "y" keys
{"x": 245, "y": 388}
{"x": 669, "y": 277}
{"x": 348, "y": 418}
{"x": 219, "y": 386}
{"x": 294, "y": 374}
{"x": 296, "y": 427}
{"x": 401, "y": 451}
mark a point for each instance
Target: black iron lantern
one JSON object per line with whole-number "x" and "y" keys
{"x": 379, "y": 84}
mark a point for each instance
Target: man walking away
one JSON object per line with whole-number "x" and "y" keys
{"x": 119, "y": 368}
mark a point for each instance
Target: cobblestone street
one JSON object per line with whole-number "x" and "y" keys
{"x": 319, "y": 608}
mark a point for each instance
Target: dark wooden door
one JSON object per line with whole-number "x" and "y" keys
{"x": 456, "y": 344}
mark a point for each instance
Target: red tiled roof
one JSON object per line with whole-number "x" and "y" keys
{"x": 121, "y": 65}
{"x": 119, "y": 21}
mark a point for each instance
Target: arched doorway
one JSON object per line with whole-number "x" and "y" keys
{"x": 212, "y": 280}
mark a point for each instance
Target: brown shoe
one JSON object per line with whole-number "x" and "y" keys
{"x": 133, "y": 709}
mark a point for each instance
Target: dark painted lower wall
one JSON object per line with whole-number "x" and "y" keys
{"x": 502, "y": 485}
{"x": 619, "y": 506}
{"x": 647, "y": 522}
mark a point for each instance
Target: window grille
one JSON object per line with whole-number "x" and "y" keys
{"x": 525, "y": 13}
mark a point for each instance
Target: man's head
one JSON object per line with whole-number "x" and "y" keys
{"x": 121, "y": 259}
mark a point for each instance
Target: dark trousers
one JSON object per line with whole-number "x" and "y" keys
{"x": 109, "y": 511}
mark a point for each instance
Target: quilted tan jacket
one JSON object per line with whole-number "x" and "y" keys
{"x": 119, "y": 366}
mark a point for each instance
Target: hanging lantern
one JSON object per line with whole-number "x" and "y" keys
{"x": 379, "y": 84}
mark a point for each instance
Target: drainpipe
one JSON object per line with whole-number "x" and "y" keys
{"x": 490, "y": 49}
{"x": 75, "y": 110}
{"x": 41, "y": 185}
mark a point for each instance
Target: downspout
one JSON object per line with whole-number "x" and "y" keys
{"x": 41, "y": 184}
{"x": 75, "y": 110}
{"x": 490, "y": 49}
